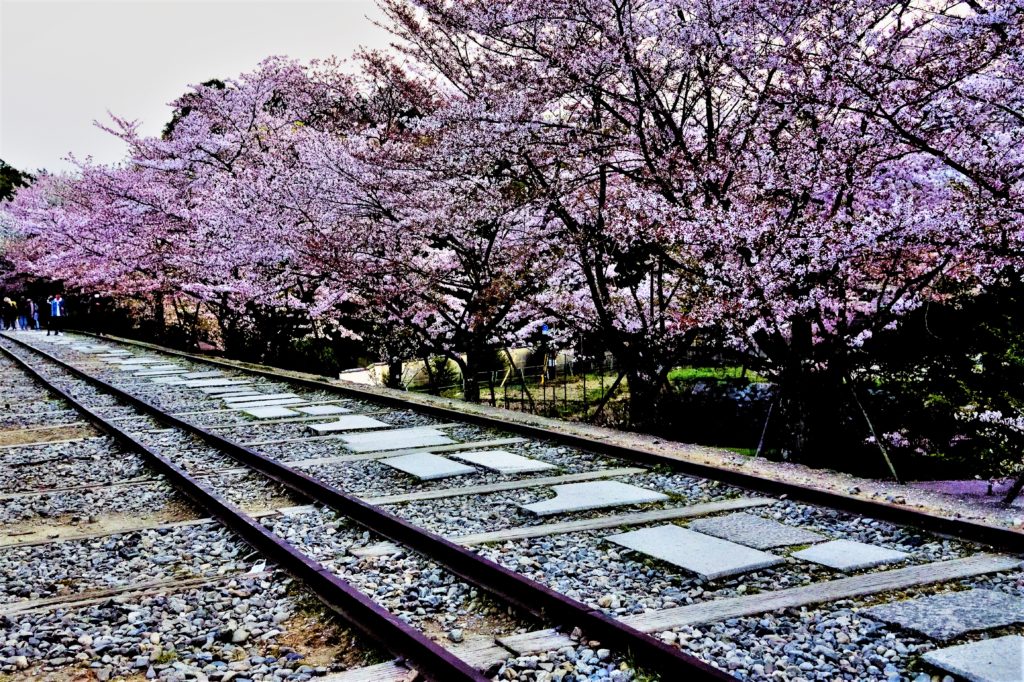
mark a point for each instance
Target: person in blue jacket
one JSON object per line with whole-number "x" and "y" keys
{"x": 57, "y": 314}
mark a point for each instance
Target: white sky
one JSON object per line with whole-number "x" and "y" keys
{"x": 64, "y": 64}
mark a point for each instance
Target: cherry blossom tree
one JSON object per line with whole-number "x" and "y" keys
{"x": 799, "y": 175}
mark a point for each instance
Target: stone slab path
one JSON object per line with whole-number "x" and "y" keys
{"x": 708, "y": 557}
{"x": 205, "y": 374}
{"x": 416, "y": 437}
{"x": 280, "y": 402}
{"x": 846, "y": 555}
{"x": 348, "y": 422}
{"x": 264, "y": 396}
{"x": 755, "y": 531}
{"x": 595, "y": 495}
{"x": 818, "y": 593}
{"x": 272, "y": 412}
{"x": 159, "y": 372}
{"x": 323, "y": 410}
{"x": 427, "y": 467}
{"x": 504, "y": 462}
{"x": 200, "y": 383}
{"x": 581, "y": 525}
{"x": 487, "y": 488}
{"x": 990, "y": 660}
{"x": 947, "y": 616}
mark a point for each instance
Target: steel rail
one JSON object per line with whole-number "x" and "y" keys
{"x": 401, "y": 639}
{"x": 1002, "y": 538}
{"x": 511, "y": 587}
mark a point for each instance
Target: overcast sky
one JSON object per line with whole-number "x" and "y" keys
{"x": 64, "y": 64}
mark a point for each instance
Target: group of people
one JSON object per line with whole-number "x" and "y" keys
{"x": 24, "y": 314}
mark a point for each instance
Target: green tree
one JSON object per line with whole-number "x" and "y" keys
{"x": 11, "y": 179}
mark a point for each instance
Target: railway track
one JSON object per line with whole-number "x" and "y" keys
{"x": 686, "y": 572}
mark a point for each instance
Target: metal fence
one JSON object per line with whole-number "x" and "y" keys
{"x": 560, "y": 389}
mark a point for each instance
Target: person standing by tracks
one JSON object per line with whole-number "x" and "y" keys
{"x": 10, "y": 314}
{"x": 33, "y": 314}
{"x": 58, "y": 312}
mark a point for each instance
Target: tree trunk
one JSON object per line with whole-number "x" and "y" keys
{"x": 650, "y": 399}
{"x": 395, "y": 367}
{"x": 812, "y": 426}
{"x": 479, "y": 358}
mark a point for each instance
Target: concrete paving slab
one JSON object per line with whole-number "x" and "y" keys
{"x": 755, "y": 531}
{"x": 322, "y": 410}
{"x": 219, "y": 391}
{"x": 396, "y": 439}
{"x": 349, "y": 422}
{"x": 709, "y": 557}
{"x": 201, "y": 383}
{"x": 175, "y": 380}
{"x": 846, "y": 555}
{"x": 271, "y": 412}
{"x": 115, "y": 353}
{"x": 503, "y": 462}
{"x": 593, "y": 495}
{"x": 947, "y": 616}
{"x": 206, "y": 374}
{"x": 138, "y": 361}
{"x": 427, "y": 467}
{"x": 147, "y": 373}
{"x": 280, "y": 402}
{"x": 239, "y": 394}
{"x": 270, "y": 396}
{"x": 991, "y": 660}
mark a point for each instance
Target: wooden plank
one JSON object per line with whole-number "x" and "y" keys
{"x": 377, "y": 550}
{"x": 141, "y": 481}
{"x": 12, "y": 540}
{"x": 392, "y": 671}
{"x": 818, "y": 593}
{"x": 48, "y": 442}
{"x": 90, "y": 597}
{"x": 537, "y": 642}
{"x": 481, "y": 652}
{"x": 612, "y": 521}
{"x": 504, "y": 485}
{"x": 562, "y": 527}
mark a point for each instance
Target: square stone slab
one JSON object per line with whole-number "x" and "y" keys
{"x": 238, "y": 394}
{"x": 266, "y": 403}
{"x": 115, "y": 354}
{"x": 347, "y": 423}
{"x": 503, "y": 462}
{"x": 396, "y": 439}
{"x": 947, "y": 616}
{"x": 707, "y": 556}
{"x": 322, "y": 410}
{"x": 206, "y": 374}
{"x": 264, "y": 396}
{"x": 846, "y": 555}
{"x": 754, "y": 531}
{"x": 138, "y": 361}
{"x": 157, "y": 373}
{"x": 427, "y": 467}
{"x": 592, "y": 495}
{"x": 990, "y": 660}
{"x": 174, "y": 380}
{"x": 201, "y": 383}
{"x": 218, "y": 391}
{"x": 270, "y": 412}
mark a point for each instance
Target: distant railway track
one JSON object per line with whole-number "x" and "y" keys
{"x": 377, "y": 468}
